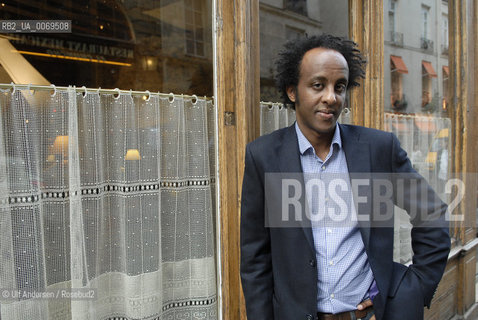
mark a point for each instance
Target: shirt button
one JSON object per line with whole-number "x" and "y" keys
{"x": 323, "y": 167}
{"x": 332, "y": 296}
{"x": 312, "y": 263}
{"x": 331, "y": 263}
{"x": 329, "y": 230}
{"x": 309, "y": 317}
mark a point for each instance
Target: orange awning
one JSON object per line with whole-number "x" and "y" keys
{"x": 446, "y": 71}
{"x": 398, "y": 64}
{"x": 429, "y": 69}
{"x": 425, "y": 125}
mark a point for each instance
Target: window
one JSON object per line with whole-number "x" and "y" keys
{"x": 139, "y": 45}
{"x": 425, "y": 17}
{"x": 396, "y": 38}
{"x": 425, "y": 43}
{"x": 391, "y": 17}
{"x": 397, "y": 69}
{"x": 298, "y": 6}
{"x": 444, "y": 34}
{"x": 428, "y": 99}
{"x": 279, "y": 21}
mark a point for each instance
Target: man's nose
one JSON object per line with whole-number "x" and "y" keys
{"x": 329, "y": 96}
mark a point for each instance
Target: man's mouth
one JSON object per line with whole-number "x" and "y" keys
{"x": 326, "y": 114}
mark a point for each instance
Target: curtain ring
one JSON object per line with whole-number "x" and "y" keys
{"x": 30, "y": 90}
{"x": 98, "y": 91}
{"x": 171, "y": 97}
{"x": 131, "y": 95}
{"x": 194, "y": 99}
{"x": 85, "y": 92}
{"x": 54, "y": 89}
{"x": 346, "y": 110}
{"x": 13, "y": 87}
{"x": 118, "y": 92}
{"x": 149, "y": 95}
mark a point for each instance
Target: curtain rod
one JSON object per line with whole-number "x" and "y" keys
{"x": 99, "y": 90}
{"x": 269, "y": 103}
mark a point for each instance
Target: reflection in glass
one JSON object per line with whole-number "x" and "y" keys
{"x": 416, "y": 64}
{"x": 416, "y": 98}
{"x": 159, "y": 45}
{"x": 285, "y": 20}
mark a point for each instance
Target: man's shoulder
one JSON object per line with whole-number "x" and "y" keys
{"x": 364, "y": 133}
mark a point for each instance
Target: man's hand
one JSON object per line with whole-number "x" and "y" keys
{"x": 365, "y": 304}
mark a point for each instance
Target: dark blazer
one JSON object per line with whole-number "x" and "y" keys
{"x": 278, "y": 265}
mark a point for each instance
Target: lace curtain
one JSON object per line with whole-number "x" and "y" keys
{"x": 112, "y": 192}
{"x": 274, "y": 116}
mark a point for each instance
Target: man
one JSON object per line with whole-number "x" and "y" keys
{"x": 312, "y": 270}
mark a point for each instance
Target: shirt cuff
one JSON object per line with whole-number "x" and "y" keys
{"x": 373, "y": 291}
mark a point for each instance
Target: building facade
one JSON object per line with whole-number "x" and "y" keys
{"x": 416, "y": 56}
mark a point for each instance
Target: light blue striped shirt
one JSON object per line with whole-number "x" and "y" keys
{"x": 344, "y": 274}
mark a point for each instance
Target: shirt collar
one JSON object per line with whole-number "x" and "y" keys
{"x": 305, "y": 145}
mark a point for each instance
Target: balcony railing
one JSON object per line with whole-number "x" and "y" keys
{"x": 396, "y": 38}
{"x": 444, "y": 49}
{"x": 426, "y": 44}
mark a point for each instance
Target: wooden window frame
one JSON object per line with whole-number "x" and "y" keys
{"x": 237, "y": 92}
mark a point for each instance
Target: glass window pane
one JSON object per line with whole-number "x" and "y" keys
{"x": 415, "y": 91}
{"x": 199, "y": 34}
{"x": 298, "y": 6}
{"x": 198, "y": 18}
{"x": 190, "y": 46}
{"x": 189, "y": 33}
{"x": 125, "y": 44}
{"x": 199, "y": 48}
{"x": 279, "y": 22}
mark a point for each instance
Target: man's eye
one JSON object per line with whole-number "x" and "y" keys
{"x": 317, "y": 85}
{"x": 340, "y": 87}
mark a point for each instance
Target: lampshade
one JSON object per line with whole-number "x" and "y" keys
{"x": 60, "y": 145}
{"x": 132, "y": 154}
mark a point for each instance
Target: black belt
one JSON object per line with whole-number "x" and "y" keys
{"x": 359, "y": 314}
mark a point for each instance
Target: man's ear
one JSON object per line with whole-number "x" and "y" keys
{"x": 291, "y": 91}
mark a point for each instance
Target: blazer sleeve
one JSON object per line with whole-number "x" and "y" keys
{"x": 256, "y": 263}
{"x": 430, "y": 231}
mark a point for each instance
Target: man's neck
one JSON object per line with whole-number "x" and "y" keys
{"x": 322, "y": 147}
{"x": 320, "y": 141}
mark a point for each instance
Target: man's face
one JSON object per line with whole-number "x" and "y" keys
{"x": 320, "y": 94}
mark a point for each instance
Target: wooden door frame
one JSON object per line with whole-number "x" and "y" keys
{"x": 237, "y": 94}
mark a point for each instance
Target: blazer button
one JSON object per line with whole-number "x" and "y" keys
{"x": 309, "y": 317}
{"x": 312, "y": 262}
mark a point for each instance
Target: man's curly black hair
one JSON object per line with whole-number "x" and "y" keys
{"x": 290, "y": 58}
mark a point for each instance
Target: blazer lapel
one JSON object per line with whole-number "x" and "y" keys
{"x": 357, "y": 154}
{"x": 289, "y": 157}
